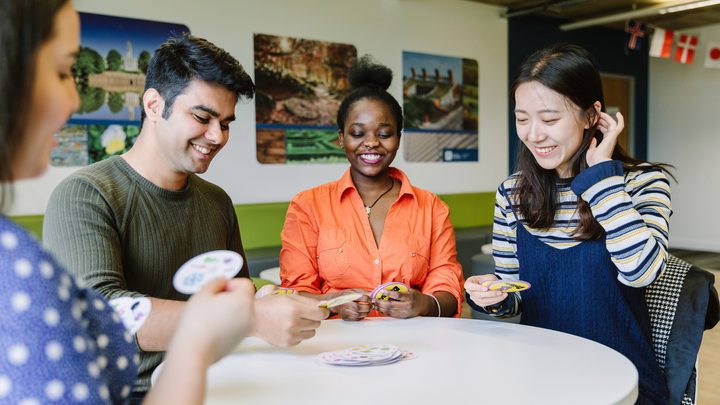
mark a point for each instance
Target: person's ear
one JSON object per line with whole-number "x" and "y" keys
{"x": 594, "y": 116}
{"x": 340, "y": 138}
{"x": 153, "y": 104}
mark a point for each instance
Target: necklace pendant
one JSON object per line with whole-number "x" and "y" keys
{"x": 368, "y": 209}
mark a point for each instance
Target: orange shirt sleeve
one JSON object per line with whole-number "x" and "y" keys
{"x": 445, "y": 272}
{"x": 298, "y": 263}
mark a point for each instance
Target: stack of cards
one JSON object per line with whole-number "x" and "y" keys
{"x": 506, "y": 286}
{"x": 366, "y": 355}
{"x": 378, "y": 294}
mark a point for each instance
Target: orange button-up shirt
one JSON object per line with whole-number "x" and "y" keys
{"x": 328, "y": 245}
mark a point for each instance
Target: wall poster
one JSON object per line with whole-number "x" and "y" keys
{"x": 299, "y": 86}
{"x": 440, "y": 105}
{"x": 110, "y": 77}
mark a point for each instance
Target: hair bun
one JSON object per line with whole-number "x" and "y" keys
{"x": 367, "y": 72}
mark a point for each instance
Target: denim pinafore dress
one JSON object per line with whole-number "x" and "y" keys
{"x": 576, "y": 291}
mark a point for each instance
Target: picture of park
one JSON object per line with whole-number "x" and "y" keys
{"x": 110, "y": 76}
{"x": 440, "y": 106}
{"x": 299, "y": 86}
{"x": 110, "y": 70}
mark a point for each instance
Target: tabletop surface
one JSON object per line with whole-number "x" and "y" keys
{"x": 456, "y": 360}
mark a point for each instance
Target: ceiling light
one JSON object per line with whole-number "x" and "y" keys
{"x": 665, "y": 8}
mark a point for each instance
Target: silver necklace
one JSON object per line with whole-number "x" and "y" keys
{"x": 368, "y": 208}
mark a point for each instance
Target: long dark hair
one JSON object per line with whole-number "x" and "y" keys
{"x": 369, "y": 80}
{"x": 572, "y": 72}
{"x": 24, "y": 26}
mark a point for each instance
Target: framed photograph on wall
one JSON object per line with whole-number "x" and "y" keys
{"x": 110, "y": 77}
{"x": 299, "y": 86}
{"x": 440, "y": 104}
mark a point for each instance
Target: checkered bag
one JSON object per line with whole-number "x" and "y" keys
{"x": 662, "y": 298}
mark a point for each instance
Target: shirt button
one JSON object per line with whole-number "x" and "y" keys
{"x": 412, "y": 254}
{"x": 376, "y": 261}
{"x": 340, "y": 250}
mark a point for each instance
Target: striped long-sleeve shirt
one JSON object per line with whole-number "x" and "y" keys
{"x": 633, "y": 208}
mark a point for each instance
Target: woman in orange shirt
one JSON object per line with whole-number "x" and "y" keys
{"x": 372, "y": 226}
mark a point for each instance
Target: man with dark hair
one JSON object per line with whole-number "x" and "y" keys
{"x": 126, "y": 224}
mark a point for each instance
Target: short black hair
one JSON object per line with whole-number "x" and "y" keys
{"x": 184, "y": 58}
{"x": 369, "y": 79}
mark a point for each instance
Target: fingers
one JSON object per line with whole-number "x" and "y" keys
{"x": 620, "y": 120}
{"x": 480, "y": 294}
{"x": 354, "y": 311}
{"x": 474, "y": 283}
{"x": 265, "y": 290}
{"x": 213, "y": 286}
{"x": 244, "y": 285}
{"x": 608, "y": 125}
{"x": 307, "y": 307}
{"x": 486, "y": 298}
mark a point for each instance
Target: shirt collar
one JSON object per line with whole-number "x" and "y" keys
{"x": 345, "y": 184}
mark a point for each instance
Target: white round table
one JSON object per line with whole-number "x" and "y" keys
{"x": 457, "y": 361}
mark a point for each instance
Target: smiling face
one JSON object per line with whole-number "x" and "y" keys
{"x": 197, "y": 128}
{"x": 54, "y": 96}
{"x": 370, "y": 137}
{"x": 549, "y": 125}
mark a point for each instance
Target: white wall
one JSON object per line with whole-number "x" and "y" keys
{"x": 383, "y": 28}
{"x": 684, "y": 130}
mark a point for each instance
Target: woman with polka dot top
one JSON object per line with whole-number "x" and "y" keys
{"x": 60, "y": 342}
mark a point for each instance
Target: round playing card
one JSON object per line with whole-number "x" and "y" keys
{"x": 132, "y": 311}
{"x": 378, "y": 294}
{"x": 205, "y": 267}
{"x": 508, "y": 286}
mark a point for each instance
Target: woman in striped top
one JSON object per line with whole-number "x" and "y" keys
{"x": 583, "y": 222}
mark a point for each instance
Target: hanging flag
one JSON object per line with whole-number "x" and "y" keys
{"x": 661, "y": 44}
{"x": 712, "y": 58}
{"x": 636, "y": 31}
{"x": 685, "y": 49}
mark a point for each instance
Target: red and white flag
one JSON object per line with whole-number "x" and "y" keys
{"x": 661, "y": 45}
{"x": 685, "y": 50}
{"x": 712, "y": 57}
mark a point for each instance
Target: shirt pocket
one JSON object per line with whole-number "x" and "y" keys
{"x": 417, "y": 260}
{"x": 332, "y": 256}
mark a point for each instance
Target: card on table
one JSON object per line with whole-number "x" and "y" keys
{"x": 366, "y": 355}
{"x": 133, "y": 311}
{"x": 197, "y": 271}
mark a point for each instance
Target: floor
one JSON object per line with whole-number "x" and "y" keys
{"x": 709, "y": 358}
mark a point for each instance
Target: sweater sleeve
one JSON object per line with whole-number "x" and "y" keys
{"x": 504, "y": 239}
{"x": 634, "y": 209}
{"x": 82, "y": 231}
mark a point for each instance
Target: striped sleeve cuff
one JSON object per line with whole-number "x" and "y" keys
{"x": 595, "y": 174}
